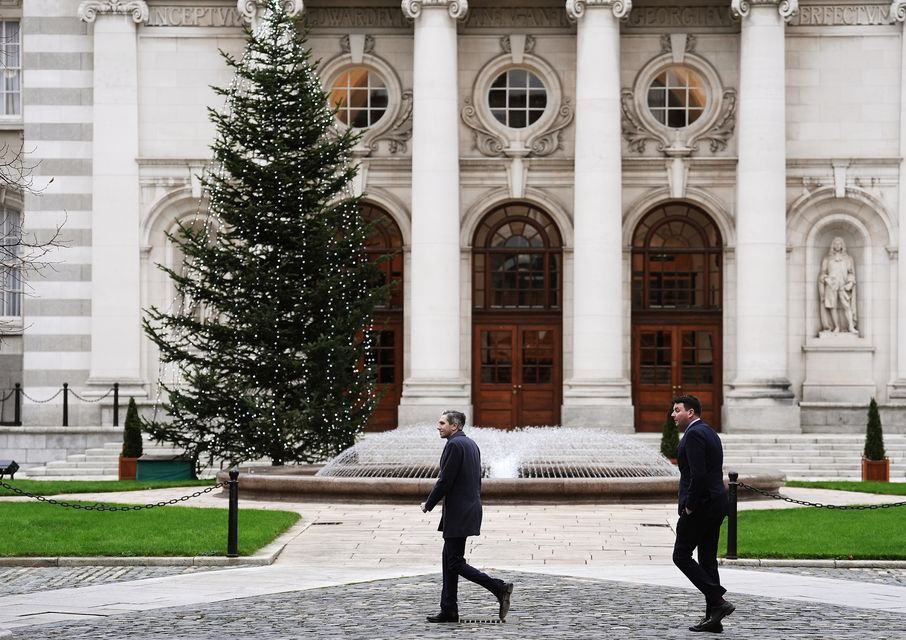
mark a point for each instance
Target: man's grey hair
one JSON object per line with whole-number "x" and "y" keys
{"x": 456, "y": 417}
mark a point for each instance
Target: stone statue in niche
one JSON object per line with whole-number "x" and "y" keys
{"x": 837, "y": 289}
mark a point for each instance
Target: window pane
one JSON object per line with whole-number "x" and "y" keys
{"x": 682, "y": 91}
{"x": 517, "y": 98}
{"x": 362, "y": 97}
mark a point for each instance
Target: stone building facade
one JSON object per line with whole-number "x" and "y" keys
{"x": 598, "y": 204}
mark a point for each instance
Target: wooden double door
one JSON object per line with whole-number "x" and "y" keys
{"x": 387, "y": 354}
{"x": 516, "y": 374}
{"x": 672, "y": 359}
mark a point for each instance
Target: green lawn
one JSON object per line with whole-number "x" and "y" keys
{"x": 39, "y": 529}
{"x": 876, "y": 534}
{"x": 889, "y": 488}
{"x": 57, "y": 487}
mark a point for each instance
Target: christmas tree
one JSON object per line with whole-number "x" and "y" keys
{"x": 270, "y": 344}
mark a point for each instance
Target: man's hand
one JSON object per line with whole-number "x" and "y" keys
{"x": 424, "y": 508}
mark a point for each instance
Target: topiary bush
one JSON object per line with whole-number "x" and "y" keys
{"x": 874, "y": 436}
{"x": 669, "y": 438}
{"x": 132, "y": 432}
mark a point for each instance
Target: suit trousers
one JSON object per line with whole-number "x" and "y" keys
{"x": 454, "y": 565}
{"x": 702, "y": 530}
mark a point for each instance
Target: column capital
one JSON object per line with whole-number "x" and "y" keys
{"x": 251, "y": 10}
{"x": 575, "y": 9}
{"x": 898, "y": 11}
{"x": 89, "y": 9}
{"x": 456, "y": 8}
{"x": 786, "y": 8}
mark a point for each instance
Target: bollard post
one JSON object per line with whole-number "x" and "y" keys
{"x": 65, "y": 404}
{"x": 116, "y": 404}
{"x": 17, "y": 406}
{"x": 233, "y": 518}
{"x": 731, "y": 517}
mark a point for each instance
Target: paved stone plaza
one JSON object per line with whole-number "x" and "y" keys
{"x": 372, "y": 571}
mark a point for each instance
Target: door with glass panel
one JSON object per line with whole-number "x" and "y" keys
{"x": 677, "y": 263}
{"x": 673, "y": 361}
{"x": 517, "y": 375}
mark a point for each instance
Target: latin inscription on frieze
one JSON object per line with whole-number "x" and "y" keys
{"x": 517, "y": 18}
{"x": 690, "y": 17}
{"x": 834, "y": 15}
{"x": 164, "y": 16}
{"x": 356, "y": 18}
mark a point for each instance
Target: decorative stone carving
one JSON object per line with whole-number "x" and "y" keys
{"x": 400, "y": 131}
{"x": 898, "y": 11}
{"x": 837, "y": 289}
{"x": 89, "y": 9}
{"x": 667, "y": 45}
{"x": 575, "y": 9}
{"x": 529, "y": 47}
{"x": 786, "y": 8}
{"x": 456, "y": 8}
{"x": 720, "y": 133}
{"x": 368, "y": 48}
{"x": 251, "y": 10}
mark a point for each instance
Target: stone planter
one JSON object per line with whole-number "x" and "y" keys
{"x": 875, "y": 470}
{"x": 127, "y": 468}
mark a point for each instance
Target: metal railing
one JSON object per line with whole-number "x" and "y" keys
{"x": 17, "y": 393}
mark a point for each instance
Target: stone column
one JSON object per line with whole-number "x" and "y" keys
{"x": 115, "y": 264}
{"x": 897, "y": 388}
{"x": 598, "y": 392}
{"x": 435, "y": 381}
{"x": 760, "y": 396}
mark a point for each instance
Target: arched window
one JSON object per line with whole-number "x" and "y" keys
{"x": 385, "y": 246}
{"x": 517, "y": 260}
{"x": 676, "y": 260}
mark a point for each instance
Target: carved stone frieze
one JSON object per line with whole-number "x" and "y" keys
{"x": 456, "y": 8}
{"x": 786, "y": 8}
{"x": 251, "y": 10}
{"x": 575, "y": 9}
{"x": 398, "y": 134}
{"x": 89, "y": 9}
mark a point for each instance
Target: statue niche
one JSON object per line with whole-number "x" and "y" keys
{"x": 837, "y": 290}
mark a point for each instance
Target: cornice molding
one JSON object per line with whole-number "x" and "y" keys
{"x": 89, "y": 9}
{"x": 786, "y": 8}
{"x": 456, "y": 8}
{"x": 898, "y": 11}
{"x": 251, "y": 10}
{"x": 575, "y": 9}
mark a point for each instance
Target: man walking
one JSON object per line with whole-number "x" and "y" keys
{"x": 702, "y": 509}
{"x": 459, "y": 486}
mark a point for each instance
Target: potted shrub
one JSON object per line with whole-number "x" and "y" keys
{"x": 669, "y": 439}
{"x": 132, "y": 443}
{"x": 875, "y": 465}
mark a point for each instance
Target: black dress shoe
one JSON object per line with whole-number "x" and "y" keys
{"x": 444, "y": 616}
{"x": 706, "y": 624}
{"x": 504, "y": 599}
{"x": 721, "y": 611}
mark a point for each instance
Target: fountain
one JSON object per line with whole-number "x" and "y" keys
{"x": 530, "y": 464}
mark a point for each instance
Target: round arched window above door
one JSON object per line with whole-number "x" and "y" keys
{"x": 517, "y": 260}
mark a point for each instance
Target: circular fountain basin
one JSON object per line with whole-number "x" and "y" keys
{"x": 538, "y": 464}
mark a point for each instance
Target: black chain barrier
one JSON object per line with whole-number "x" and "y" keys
{"x": 232, "y": 515}
{"x": 111, "y": 507}
{"x": 734, "y": 485}
{"x": 19, "y": 392}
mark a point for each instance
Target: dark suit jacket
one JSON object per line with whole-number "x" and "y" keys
{"x": 700, "y": 458}
{"x": 459, "y": 486}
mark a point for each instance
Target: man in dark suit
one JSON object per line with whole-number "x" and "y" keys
{"x": 459, "y": 486}
{"x": 702, "y": 509}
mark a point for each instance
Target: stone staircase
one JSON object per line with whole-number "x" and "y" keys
{"x": 804, "y": 456}
{"x": 100, "y": 463}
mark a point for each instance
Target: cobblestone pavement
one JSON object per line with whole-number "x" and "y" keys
{"x": 31, "y": 579}
{"x": 894, "y": 577}
{"x": 543, "y": 607}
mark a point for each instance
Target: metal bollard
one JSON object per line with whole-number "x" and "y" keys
{"x": 731, "y": 517}
{"x": 233, "y": 518}
{"x": 17, "y": 417}
{"x": 65, "y": 404}
{"x": 116, "y": 404}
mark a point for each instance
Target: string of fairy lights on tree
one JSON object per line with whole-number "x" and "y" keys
{"x": 268, "y": 347}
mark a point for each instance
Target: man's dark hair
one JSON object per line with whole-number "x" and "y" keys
{"x": 457, "y": 418}
{"x": 690, "y": 402}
